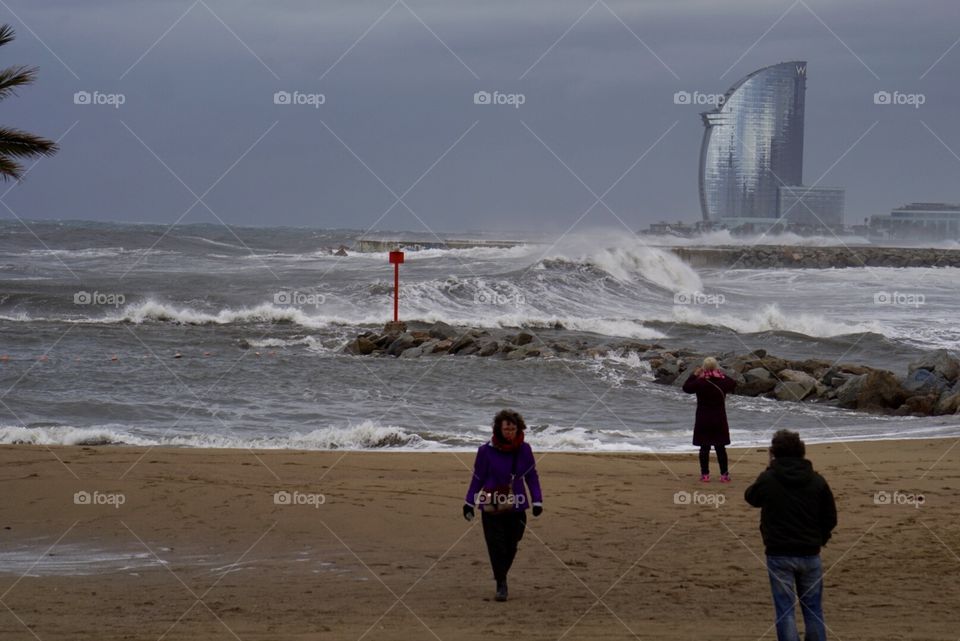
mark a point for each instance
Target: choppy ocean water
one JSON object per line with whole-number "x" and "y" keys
{"x": 93, "y": 315}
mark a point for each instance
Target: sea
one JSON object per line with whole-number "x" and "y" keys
{"x": 208, "y": 336}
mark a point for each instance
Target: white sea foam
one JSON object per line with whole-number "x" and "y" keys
{"x": 264, "y": 313}
{"x": 772, "y": 318}
{"x": 364, "y": 435}
{"x": 64, "y": 435}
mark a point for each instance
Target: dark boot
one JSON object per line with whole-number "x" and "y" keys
{"x": 501, "y": 590}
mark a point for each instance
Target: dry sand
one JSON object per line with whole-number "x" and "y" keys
{"x": 388, "y": 555}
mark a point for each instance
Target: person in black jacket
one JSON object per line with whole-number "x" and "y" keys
{"x": 797, "y": 516}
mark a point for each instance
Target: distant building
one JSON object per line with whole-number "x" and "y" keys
{"x": 919, "y": 221}
{"x": 811, "y": 206}
{"x": 753, "y": 144}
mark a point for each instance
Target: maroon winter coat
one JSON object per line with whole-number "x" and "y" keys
{"x": 711, "y": 426}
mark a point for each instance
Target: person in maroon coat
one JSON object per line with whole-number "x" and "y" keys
{"x": 711, "y": 386}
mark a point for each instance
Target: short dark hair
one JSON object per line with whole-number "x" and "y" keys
{"x": 507, "y": 415}
{"x": 787, "y": 444}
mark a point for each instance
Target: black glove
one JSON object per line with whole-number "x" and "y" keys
{"x": 468, "y": 511}
{"x": 537, "y": 510}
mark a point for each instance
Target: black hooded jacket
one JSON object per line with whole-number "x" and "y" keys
{"x": 798, "y": 512}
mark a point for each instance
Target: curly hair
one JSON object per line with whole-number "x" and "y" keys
{"x": 507, "y": 415}
{"x": 787, "y": 444}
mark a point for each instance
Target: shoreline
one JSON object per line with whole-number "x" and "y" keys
{"x": 691, "y": 449}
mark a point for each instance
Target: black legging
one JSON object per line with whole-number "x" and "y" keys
{"x": 705, "y": 458}
{"x": 502, "y": 532}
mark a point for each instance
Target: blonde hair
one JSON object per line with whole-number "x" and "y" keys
{"x": 710, "y": 363}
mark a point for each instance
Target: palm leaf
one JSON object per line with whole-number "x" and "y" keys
{"x": 6, "y": 34}
{"x": 13, "y": 77}
{"x": 16, "y": 144}
{"x": 9, "y": 169}
{"x": 20, "y": 144}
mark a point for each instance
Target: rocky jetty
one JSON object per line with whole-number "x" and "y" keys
{"x": 930, "y": 387}
{"x": 785, "y": 256}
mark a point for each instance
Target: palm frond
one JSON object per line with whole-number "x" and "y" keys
{"x": 20, "y": 144}
{"x": 6, "y": 34}
{"x": 10, "y": 170}
{"x": 13, "y": 77}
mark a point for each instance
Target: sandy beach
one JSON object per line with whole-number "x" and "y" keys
{"x": 192, "y": 544}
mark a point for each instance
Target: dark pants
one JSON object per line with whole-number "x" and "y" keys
{"x": 502, "y": 533}
{"x": 705, "y": 458}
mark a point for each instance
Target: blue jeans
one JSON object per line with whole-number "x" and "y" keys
{"x": 790, "y": 575}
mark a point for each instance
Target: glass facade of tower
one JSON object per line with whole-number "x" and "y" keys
{"x": 753, "y": 144}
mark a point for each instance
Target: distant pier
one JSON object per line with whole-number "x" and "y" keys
{"x": 801, "y": 257}
{"x": 388, "y": 244}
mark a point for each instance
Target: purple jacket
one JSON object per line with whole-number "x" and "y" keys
{"x": 493, "y": 467}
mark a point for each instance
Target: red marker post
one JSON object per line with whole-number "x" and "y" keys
{"x": 396, "y": 257}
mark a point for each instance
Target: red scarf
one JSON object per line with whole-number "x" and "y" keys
{"x": 506, "y": 446}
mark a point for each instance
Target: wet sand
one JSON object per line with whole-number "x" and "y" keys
{"x": 192, "y": 544}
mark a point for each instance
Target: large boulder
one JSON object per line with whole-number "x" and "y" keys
{"x": 462, "y": 343}
{"x": 361, "y": 346}
{"x": 840, "y": 374}
{"x": 876, "y": 390}
{"x": 792, "y": 391}
{"x": 441, "y": 330}
{"x": 488, "y": 347}
{"x": 402, "y": 342}
{"x": 803, "y": 378}
{"x": 924, "y": 381}
{"x": 849, "y": 391}
{"x": 949, "y": 403}
{"x": 668, "y": 370}
{"x": 523, "y": 338}
{"x": 756, "y": 381}
{"x": 939, "y": 361}
{"x": 920, "y": 405}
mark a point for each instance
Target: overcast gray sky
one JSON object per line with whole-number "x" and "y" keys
{"x": 598, "y": 80}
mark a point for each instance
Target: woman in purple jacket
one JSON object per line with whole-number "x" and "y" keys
{"x": 711, "y": 386}
{"x": 499, "y": 471}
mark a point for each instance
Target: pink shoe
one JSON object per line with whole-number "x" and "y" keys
{"x": 724, "y": 478}
{"x": 704, "y": 478}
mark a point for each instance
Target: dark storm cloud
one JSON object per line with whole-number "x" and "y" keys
{"x": 202, "y": 96}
